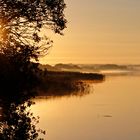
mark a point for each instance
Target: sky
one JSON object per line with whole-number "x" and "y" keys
{"x": 98, "y": 32}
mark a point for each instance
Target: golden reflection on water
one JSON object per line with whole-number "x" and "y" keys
{"x": 110, "y": 112}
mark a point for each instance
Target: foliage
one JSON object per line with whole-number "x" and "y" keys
{"x": 21, "y": 41}
{"x": 18, "y": 123}
{"x": 67, "y": 83}
{"x": 22, "y": 20}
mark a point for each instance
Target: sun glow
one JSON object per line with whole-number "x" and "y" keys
{"x": 99, "y": 32}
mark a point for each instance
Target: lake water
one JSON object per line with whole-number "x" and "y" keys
{"x": 110, "y": 112}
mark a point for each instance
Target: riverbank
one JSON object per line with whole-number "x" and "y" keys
{"x": 60, "y": 82}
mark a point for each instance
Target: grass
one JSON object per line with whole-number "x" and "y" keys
{"x": 67, "y": 83}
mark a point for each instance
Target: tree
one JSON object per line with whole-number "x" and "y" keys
{"x": 21, "y": 22}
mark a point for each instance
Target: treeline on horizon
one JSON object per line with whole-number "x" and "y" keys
{"x": 89, "y": 67}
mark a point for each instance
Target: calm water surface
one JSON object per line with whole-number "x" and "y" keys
{"x": 110, "y": 112}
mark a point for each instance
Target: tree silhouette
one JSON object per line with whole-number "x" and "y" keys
{"x": 21, "y": 42}
{"x": 22, "y": 20}
{"x": 17, "y": 122}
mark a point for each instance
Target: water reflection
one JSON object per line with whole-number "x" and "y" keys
{"x": 110, "y": 113}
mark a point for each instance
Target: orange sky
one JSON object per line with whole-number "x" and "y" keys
{"x": 98, "y": 31}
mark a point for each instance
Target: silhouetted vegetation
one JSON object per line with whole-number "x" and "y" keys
{"x": 20, "y": 42}
{"x": 17, "y": 122}
{"x": 67, "y": 83}
{"x": 21, "y": 21}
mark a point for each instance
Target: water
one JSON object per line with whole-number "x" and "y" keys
{"x": 110, "y": 112}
